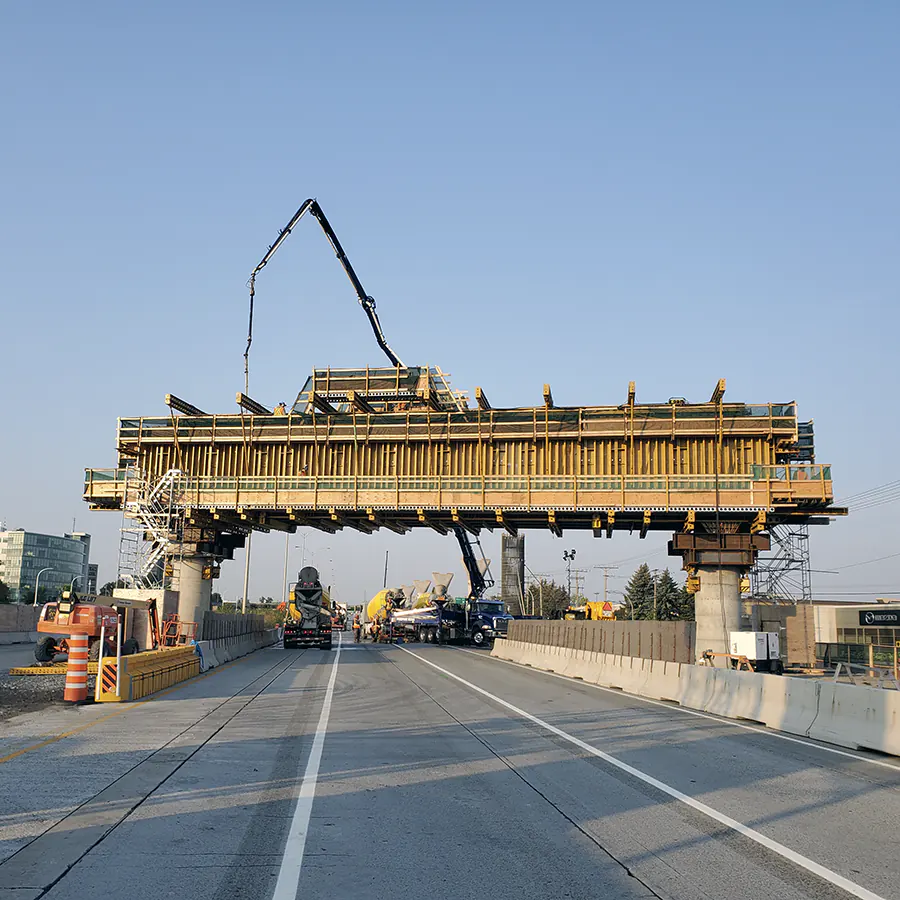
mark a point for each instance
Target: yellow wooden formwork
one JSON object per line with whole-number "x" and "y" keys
{"x": 398, "y": 448}
{"x": 146, "y": 673}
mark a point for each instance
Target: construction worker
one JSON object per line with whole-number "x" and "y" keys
{"x": 357, "y": 629}
{"x": 281, "y": 409}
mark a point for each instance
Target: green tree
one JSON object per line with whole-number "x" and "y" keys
{"x": 639, "y": 594}
{"x": 110, "y": 586}
{"x": 547, "y": 597}
{"x": 215, "y": 599}
{"x": 656, "y": 596}
{"x": 670, "y": 598}
{"x": 5, "y": 593}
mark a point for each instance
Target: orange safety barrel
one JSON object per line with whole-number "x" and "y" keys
{"x": 77, "y": 669}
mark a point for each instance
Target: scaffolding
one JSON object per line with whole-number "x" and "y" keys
{"x": 152, "y": 528}
{"x": 784, "y": 575}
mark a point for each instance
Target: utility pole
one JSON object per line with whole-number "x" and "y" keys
{"x": 579, "y": 578}
{"x": 606, "y": 571}
{"x": 386, "y": 552}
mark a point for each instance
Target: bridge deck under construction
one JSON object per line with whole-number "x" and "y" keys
{"x": 399, "y": 448}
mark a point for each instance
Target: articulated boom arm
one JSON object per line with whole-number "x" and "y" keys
{"x": 478, "y": 572}
{"x": 367, "y": 302}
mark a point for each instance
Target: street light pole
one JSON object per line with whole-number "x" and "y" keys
{"x": 287, "y": 547}
{"x": 569, "y": 556}
{"x": 540, "y": 583}
{"x": 37, "y": 581}
{"x": 246, "y": 575}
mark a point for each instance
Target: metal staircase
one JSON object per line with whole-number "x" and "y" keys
{"x": 156, "y": 513}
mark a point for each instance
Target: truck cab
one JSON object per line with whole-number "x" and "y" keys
{"x": 488, "y": 619}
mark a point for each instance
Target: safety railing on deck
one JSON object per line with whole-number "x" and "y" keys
{"x": 761, "y": 488}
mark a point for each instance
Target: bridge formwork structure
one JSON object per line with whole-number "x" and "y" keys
{"x": 399, "y": 448}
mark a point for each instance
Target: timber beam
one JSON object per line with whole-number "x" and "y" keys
{"x": 359, "y": 402}
{"x": 474, "y": 530}
{"x": 481, "y": 397}
{"x": 645, "y": 523}
{"x": 256, "y": 520}
{"x": 183, "y": 406}
{"x": 510, "y": 529}
{"x": 249, "y": 404}
{"x": 432, "y": 523}
{"x": 340, "y": 518}
{"x": 552, "y": 523}
{"x": 275, "y": 523}
{"x": 430, "y": 397}
{"x": 380, "y": 522}
{"x": 242, "y": 521}
{"x": 307, "y": 522}
{"x": 322, "y": 405}
{"x": 548, "y": 397}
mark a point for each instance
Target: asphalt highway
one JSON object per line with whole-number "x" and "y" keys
{"x": 422, "y": 771}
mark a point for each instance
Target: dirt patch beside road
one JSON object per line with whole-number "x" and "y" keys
{"x": 27, "y": 693}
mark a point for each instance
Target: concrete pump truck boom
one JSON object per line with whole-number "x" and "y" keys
{"x": 477, "y": 570}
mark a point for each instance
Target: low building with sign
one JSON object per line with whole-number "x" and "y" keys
{"x": 851, "y": 623}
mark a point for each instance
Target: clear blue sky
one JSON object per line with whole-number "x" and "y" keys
{"x": 582, "y": 194}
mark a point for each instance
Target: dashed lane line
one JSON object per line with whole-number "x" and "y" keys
{"x": 292, "y": 859}
{"x": 851, "y": 887}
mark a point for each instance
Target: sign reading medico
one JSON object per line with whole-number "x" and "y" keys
{"x": 874, "y": 618}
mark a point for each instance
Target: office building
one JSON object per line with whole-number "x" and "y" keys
{"x": 26, "y": 556}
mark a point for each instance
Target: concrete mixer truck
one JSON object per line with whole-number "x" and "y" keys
{"x": 439, "y": 618}
{"x": 308, "y": 619}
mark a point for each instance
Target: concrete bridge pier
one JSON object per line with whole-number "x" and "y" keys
{"x": 194, "y": 591}
{"x": 717, "y": 610}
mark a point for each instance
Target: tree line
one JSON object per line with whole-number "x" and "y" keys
{"x": 648, "y": 595}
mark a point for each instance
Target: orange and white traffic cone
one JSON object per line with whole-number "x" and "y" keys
{"x": 77, "y": 669}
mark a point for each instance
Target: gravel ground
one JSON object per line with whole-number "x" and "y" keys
{"x": 26, "y": 693}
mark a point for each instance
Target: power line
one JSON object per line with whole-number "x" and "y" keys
{"x": 867, "y": 562}
{"x": 859, "y": 497}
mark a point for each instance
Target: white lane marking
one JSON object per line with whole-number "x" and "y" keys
{"x": 690, "y": 712}
{"x": 851, "y": 887}
{"x": 292, "y": 860}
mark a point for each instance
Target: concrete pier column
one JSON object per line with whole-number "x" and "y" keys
{"x": 717, "y": 609}
{"x": 194, "y": 591}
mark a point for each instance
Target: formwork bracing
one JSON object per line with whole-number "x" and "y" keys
{"x": 399, "y": 448}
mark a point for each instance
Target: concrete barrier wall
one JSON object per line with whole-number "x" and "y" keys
{"x": 669, "y": 641}
{"x": 18, "y": 623}
{"x": 860, "y": 718}
{"x": 218, "y": 652}
{"x": 217, "y": 626}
